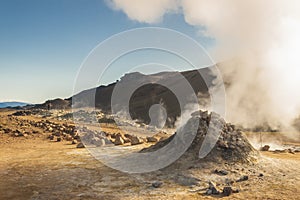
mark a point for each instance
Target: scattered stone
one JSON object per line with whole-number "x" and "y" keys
{"x": 235, "y": 190}
{"x": 221, "y": 172}
{"x": 136, "y": 140}
{"x": 291, "y": 151}
{"x": 229, "y": 181}
{"x": 119, "y": 140}
{"x": 227, "y": 191}
{"x": 223, "y": 144}
{"x": 265, "y": 148}
{"x": 157, "y": 184}
{"x": 69, "y": 138}
{"x": 58, "y": 139}
{"x": 126, "y": 140}
{"x": 74, "y": 141}
{"x": 212, "y": 189}
{"x": 17, "y": 135}
{"x": 51, "y": 137}
{"x": 7, "y": 130}
{"x": 243, "y": 178}
{"x": 152, "y": 139}
{"x": 80, "y": 145}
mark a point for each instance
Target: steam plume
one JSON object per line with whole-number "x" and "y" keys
{"x": 261, "y": 40}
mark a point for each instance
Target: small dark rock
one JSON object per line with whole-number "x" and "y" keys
{"x": 212, "y": 189}
{"x": 157, "y": 184}
{"x": 243, "y": 178}
{"x": 80, "y": 145}
{"x": 221, "y": 172}
{"x": 227, "y": 191}
{"x": 265, "y": 148}
{"x": 74, "y": 142}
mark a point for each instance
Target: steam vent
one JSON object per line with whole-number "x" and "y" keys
{"x": 231, "y": 144}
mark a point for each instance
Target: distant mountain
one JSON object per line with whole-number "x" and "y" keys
{"x": 144, "y": 97}
{"x": 12, "y": 104}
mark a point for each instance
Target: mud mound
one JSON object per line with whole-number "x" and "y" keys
{"x": 230, "y": 144}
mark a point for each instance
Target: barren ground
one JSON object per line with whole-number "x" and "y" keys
{"x": 36, "y": 168}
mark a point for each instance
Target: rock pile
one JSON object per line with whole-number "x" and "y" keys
{"x": 101, "y": 138}
{"x": 231, "y": 145}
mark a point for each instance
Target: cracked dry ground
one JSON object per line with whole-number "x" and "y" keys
{"x": 36, "y": 168}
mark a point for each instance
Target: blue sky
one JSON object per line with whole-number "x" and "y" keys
{"x": 44, "y": 42}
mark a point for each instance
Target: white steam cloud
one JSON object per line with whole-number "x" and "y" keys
{"x": 261, "y": 40}
{"x": 144, "y": 10}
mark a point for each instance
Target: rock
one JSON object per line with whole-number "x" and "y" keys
{"x": 243, "y": 178}
{"x": 265, "y": 148}
{"x": 152, "y": 139}
{"x": 221, "y": 172}
{"x": 16, "y": 135}
{"x": 126, "y": 140}
{"x": 136, "y": 140}
{"x": 74, "y": 141}
{"x": 51, "y": 137}
{"x": 119, "y": 140}
{"x": 223, "y": 144}
{"x": 291, "y": 151}
{"x": 227, "y": 191}
{"x": 69, "y": 138}
{"x": 58, "y": 139}
{"x": 235, "y": 190}
{"x": 7, "y": 130}
{"x": 157, "y": 184}
{"x": 80, "y": 145}
{"x": 229, "y": 181}
{"x": 97, "y": 141}
{"x": 212, "y": 189}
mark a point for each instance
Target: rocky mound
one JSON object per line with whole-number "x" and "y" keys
{"x": 232, "y": 145}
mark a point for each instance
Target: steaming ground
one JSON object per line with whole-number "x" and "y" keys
{"x": 259, "y": 40}
{"x": 33, "y": 167}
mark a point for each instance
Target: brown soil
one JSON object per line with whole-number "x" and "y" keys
{"x": 36, "y": 168}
